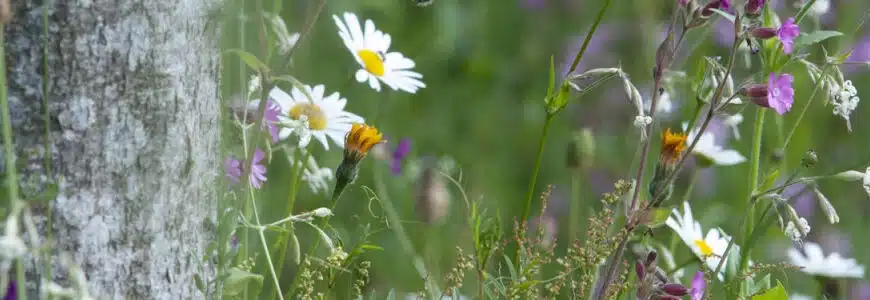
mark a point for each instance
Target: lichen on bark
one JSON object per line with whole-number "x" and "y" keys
{"x": 132, "y": 102}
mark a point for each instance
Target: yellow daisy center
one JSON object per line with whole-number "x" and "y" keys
{"x": 372, "y": 61}
{"x": 316, "y": 118}
{"x": 704, "y": 247}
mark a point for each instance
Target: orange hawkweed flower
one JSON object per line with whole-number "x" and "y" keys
{"x": 673, "y": 145}
{"x": 360, "y": 140}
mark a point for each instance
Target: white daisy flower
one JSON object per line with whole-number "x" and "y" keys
{"x": 370, "y": 49}
{"x": 712, "y": 154}
{"x": 324, "y": 115}
{"x": 833, "y": 266}
{"x": 709, "y": 248}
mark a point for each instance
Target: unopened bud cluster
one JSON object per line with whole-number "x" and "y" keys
{"x": 653, "y": 283}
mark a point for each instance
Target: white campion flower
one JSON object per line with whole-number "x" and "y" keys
{"x": 815, "y": 263}
{"x": 317, "y": 178}
{"x": 845, "y": 100}
{"x": 796, "y": 234}
{"x": 711, "y": 153}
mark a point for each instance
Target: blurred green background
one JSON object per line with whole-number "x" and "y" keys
{"x": 485, "y": 65}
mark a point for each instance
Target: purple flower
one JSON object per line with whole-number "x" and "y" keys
{"x": 777, "y": 94}
{"x": 787, "y": 33}
{"x": 233, "y": 169}
{"x": 258, "y": 171}
{"x": 399, "y": 155}
{"x": 11, "y": 291}
{"x": 698, "y": 286}
{"x": 270, "y": 119}
{"x": 780, "y": 94}
{"x": 861, "y": 291}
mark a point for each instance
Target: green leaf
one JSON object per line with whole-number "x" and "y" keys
{"x": 769, "y": 180}
{"x": 724, "y": 14}
{"x": 803, "y": 12}
{"x": 812, "y": 38}
{"x": 238, "y": 280}
{"x": 511, "y": 268}
{"x": 372, "y": 247}
{"x": 761, "y": 284}
{"x": 252, "y": 61}
{"x": 659, "y": 216}
{"x": 776, "y": 293}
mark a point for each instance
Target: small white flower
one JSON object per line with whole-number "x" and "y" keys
{"x": 797, "y": 234}
{"x": 867, "y": 181}
{"x": 325, "y": 115}
{"x": 285, "y": 40}
{"x": 712, "y": 153}
{"x": 253, "y": 85}
{"x": 641, "y": 122}
{"x": 733, "y": 121}
{"x": 709, "y": 248}
{"x": 833, "y": 266}
{"x": 317, "y": 178}
{"x": 845, "y": 100}
{"x": 11, "y": 247}
{"x": 370, "y": 48}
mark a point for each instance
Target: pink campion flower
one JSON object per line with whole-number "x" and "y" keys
{"x": 233, "y": 169}
{"x": 777, "y": 93}
{"x": 698, "y": 286}
{"x": 270, "y": 119}
{"x": 258, "y": 170}
{"x": 787, "y": 33}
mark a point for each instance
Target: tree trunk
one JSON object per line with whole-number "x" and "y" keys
{"x": 133, "y": 132}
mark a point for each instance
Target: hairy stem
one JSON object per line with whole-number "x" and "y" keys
{"x": 531, "y": 192}
{"x": 754, "y": 162}
{"x": 294, "y": 190}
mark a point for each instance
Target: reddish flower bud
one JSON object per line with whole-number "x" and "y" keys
{"x": 639, "y": 269}
{"x": 754, "y": 91}
{"x": 763, "y": 33}
{"x": 717, "y": 4}
{"x": 753, "y": 7}
{"x": 675, "y": 289}
{"x": 651, "y": 258}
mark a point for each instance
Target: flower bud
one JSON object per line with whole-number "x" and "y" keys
{"x": 322, "y": 212}
{"x": 763, "y": 33}
{"x": 810, "y": 159}
{"x": 755, "y": 90}
{"x": 675, "y": 289}
{"x": 581, "y": 150}
{"x": 706, "y": 12}
{"x": 850, "y": 175}
{"x": 639, "y": 270}
{"x": 826, "y": 206}
{"x": 651, "y": 258}
{"x": 752, "y": 8}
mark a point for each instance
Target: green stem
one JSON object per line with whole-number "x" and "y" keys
{"x": 401, "y": 235}
{"x": 754, "y": 162}
{"x": 530, "y": 194}
{"x": 11, "y": 169}
{"x": 576, "y": 215}
{"x": 281, "y": 243}
{"x": 806, "y": 107}
{"x": 588, "y": 37}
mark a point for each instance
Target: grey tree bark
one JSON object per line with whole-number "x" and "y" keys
{"x": 133, "y": 116}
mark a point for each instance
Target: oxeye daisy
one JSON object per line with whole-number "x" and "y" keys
{"x": 324, "y": 115}
{"x": 709, "y": 248}
{"x": 370, "y": 48}
{"x": 817, "y": 264}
